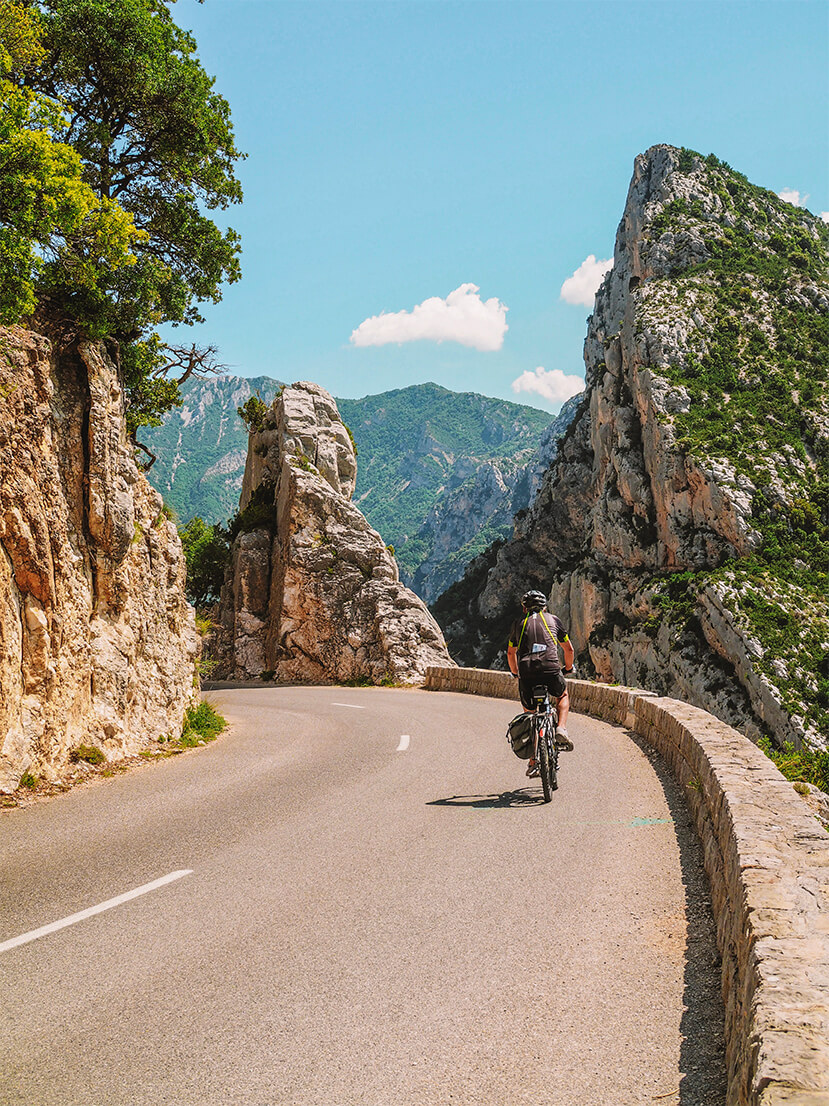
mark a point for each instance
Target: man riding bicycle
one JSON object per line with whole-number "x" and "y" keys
{"x": 532, "y": 655}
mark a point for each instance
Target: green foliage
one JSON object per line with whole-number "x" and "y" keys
{"x": 686, "y": 160}
{"x": 53, "y": 226}
{"x": 207, "y": 552}
{"x": 253, "y": 414}
{"x": 88, "y": 753}
{"x": 114, "y": 149}
{"x": 202, "y": 723}
{"x": 153, "y": 135}
{"x": 351, "y": 438}
{"x": 28, "y": 780}
{"x": 202, "y": 486}
{"x": 150, "y": 397}
{"x": 259, "y": 514}
{"x": 808, "y": 765}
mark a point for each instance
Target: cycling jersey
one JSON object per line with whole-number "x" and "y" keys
{"x": 535, "y": 638}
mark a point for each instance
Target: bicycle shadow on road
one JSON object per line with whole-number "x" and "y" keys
{"x": 524, "y": 796}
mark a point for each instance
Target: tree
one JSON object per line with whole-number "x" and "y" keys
{"x": 146, "y": 367}
{"x": 207, "y": 552}
{"x": 154, "y": 136}
{"x": 50, "y": 218}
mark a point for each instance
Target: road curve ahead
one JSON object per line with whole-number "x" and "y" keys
{"x": 367, "y": 904}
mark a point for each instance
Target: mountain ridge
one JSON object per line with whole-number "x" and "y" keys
{"x": 683, "y": 529}
{"x": 418, "y": 446}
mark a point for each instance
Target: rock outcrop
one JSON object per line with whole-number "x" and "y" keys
{"x": 312, "y": 593}
{"x": 683, "y": 529}
{"x": 97, "y": 641}
{"x": 425, "y": 454}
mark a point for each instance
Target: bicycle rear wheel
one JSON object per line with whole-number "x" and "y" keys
{"x": 547, "y": 765}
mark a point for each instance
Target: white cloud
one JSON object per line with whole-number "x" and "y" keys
{"x": 792, "y": 196}
{"x": 825, "y": 216}
{"x": 462, "y": 317}
{"x": 552, "y": 385}
{"x": 583, "y": 285}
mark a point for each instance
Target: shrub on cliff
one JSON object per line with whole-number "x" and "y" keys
{"x": 207, "y": 553}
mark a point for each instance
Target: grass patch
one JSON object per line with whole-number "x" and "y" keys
{"x": 88, "y": 753}
{"x": 800, "y": 765}
{"x": 201, "y": 723}
{"x": 28, "y": 780}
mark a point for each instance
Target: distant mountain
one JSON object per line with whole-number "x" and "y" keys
{"x": 425, "y": 454}
{"x": 202, "y": 446}
{"x": 440, "y": 474}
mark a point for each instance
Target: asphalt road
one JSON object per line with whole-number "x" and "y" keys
{"x": 378, "y": 910}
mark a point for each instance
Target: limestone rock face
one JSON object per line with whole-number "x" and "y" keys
{"x": 97, "y": 642}
{"x": 647, "y": 528}
{"x": 312, "y": 592}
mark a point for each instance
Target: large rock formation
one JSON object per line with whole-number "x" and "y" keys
{"x": 97, "y": 641}
{"x": 312, "y": 592}
{"x": 683, "y": 530}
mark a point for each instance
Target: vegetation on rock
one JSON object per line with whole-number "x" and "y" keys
{"x": 759, "y": 403}
{"x": 115, "y": 148}
{"x": 202, "y": 723}
{"x": 207, "y": 552}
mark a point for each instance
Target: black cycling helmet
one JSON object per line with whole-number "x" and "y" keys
{"x": 533, "y": 600}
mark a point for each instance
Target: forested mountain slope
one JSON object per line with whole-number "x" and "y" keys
{"x": 440, "y": 473}
{"x": 683, "y": 530}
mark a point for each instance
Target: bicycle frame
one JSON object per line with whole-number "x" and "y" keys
{"x": 545, "y": 750}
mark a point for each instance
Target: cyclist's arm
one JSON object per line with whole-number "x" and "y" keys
{"x": 512, "y": 659}
{"x": 569, "y": 653}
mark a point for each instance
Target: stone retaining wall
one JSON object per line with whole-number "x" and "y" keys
{"x": 767, "y": 860}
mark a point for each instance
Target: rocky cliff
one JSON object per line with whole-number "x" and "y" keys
{"x": 683, "y": 529}
{"x": 97, "y": 641}
{"x": 441, "y": 473}
{"x": 312, "y": 592}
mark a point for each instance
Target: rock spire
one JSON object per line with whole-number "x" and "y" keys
{"x": 312, "y": 592}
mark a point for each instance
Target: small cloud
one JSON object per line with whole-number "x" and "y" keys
{"x": 552, "y": 385}
{"x": 583, "y": 285}
{"x": 792, "y": 196}
{"x": 825, "y": 216}
{"x": 462, "y": 317}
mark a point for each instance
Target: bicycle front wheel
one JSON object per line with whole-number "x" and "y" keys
{"x": 547, "y": 766}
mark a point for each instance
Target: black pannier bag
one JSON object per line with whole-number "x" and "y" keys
{"x": 520, "y": 735}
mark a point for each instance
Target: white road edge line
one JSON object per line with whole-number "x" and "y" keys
{"x": 404, "y": 743}
{"x": 33, "y": 934}
{"x": 352, "y": 705}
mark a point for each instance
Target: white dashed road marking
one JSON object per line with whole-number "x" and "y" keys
{"x": 352, "y": 705}
{"x": 404, "y": 743}
{"x": 33, "y": 934}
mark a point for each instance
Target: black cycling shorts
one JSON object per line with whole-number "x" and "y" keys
{"x": 553, "y": 681}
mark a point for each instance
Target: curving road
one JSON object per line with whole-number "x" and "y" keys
{"x": 377, "y": 910}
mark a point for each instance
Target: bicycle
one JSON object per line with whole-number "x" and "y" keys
{"x": 534, "y": 734}
{"x": 544, "y": 722}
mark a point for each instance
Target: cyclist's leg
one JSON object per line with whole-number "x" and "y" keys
{"x": 563, "y": 710}
{"x": 558, "y": 688}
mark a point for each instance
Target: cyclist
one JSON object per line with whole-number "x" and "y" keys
{"x": 532, "y": 655}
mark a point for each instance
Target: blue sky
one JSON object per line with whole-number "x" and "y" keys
{"x": 399, "y": 151}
